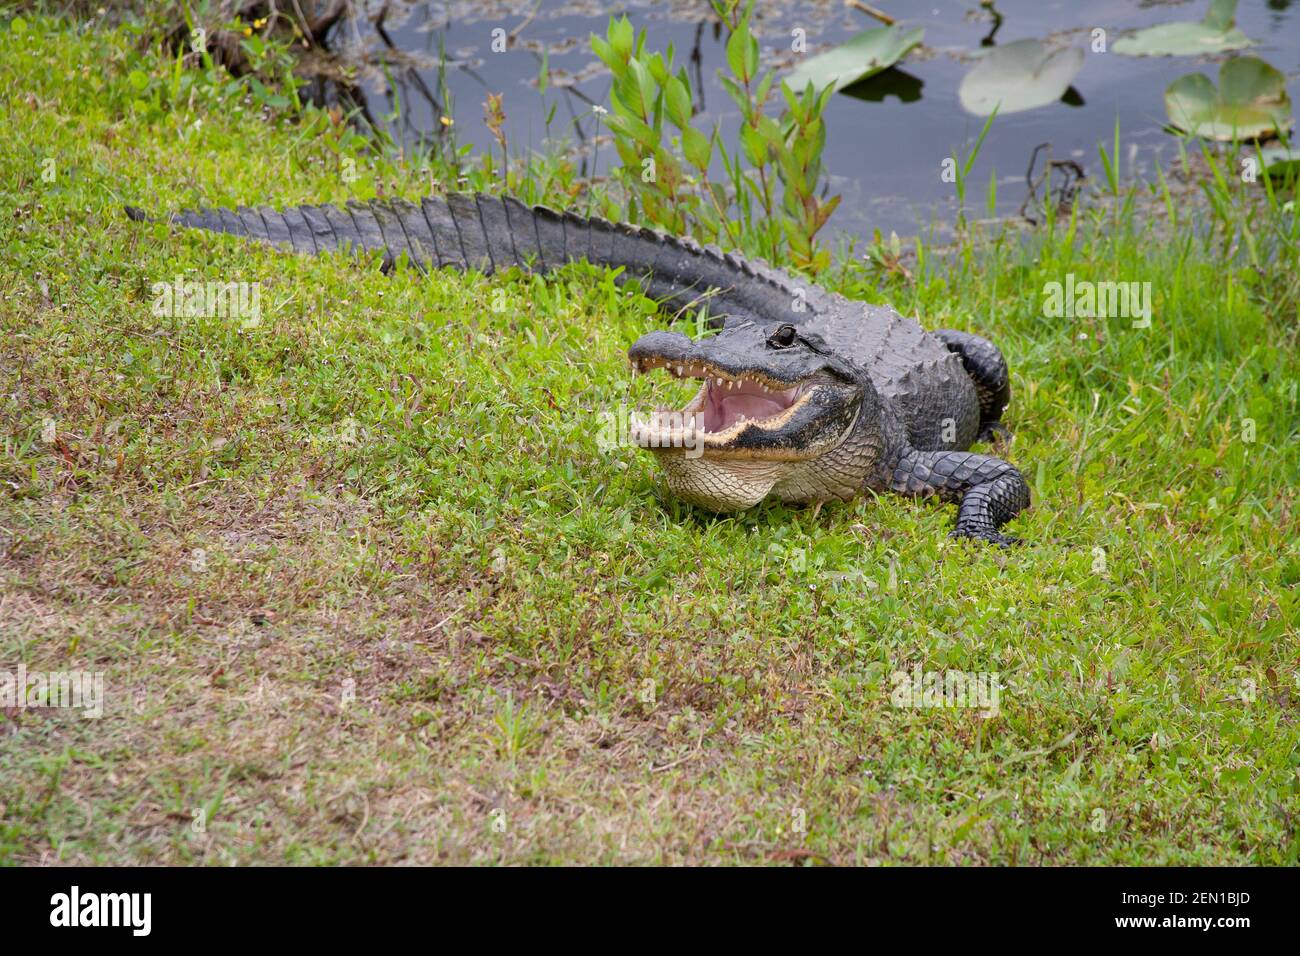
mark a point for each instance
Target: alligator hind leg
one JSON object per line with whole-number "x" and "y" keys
{"x": 988, "y": 370}
{"x": 990, "y": 491}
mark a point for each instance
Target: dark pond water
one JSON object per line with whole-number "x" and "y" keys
{"x": 885, "y": 144}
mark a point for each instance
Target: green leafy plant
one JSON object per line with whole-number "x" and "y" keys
{"x": 669, "y": 178}
{"x": 191, "y": 77}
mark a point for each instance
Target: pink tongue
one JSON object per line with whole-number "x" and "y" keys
{"x": 732, "y": 407}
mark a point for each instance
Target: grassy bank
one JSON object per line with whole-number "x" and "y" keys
{"x": 365, "y": 588}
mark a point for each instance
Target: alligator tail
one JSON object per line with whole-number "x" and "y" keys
{"x": 491, "y": 234}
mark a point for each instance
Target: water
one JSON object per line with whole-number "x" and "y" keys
{"x": 885, "y": 146}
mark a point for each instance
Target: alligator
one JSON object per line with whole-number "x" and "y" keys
{"x": 805, "y": 396}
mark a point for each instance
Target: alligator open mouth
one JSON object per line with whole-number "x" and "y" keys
{"x": 728, "y": 404}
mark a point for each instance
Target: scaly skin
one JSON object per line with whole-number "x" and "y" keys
{"x": 807, "y": 396}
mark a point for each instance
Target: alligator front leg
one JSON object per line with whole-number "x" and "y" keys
{"x": 987, "y": 368}
{"x": 991, "y": 491}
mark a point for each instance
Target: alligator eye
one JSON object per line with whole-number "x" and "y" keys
{"x": 782, "y": 338}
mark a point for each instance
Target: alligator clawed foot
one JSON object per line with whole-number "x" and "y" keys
{"x": 994, "y": 433}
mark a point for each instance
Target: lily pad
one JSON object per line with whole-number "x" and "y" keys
{"x": 1019, "y": 76}
{"x": 1280, "y": 161}
{"x": 1217, "y": 33}
{"x": 864, "y": 55}
{"x": 1250, "y": 103}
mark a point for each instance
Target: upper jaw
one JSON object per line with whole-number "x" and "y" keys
{"x": 725, "y": 373}
{"x": 685, "y": 358}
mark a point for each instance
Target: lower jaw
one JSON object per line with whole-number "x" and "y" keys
{"x": 755, "y": 457}
{"x": 718, "y": 484}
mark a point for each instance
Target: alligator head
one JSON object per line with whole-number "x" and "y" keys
{"x": 772, "y": 399}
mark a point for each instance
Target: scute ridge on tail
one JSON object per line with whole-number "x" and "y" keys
{"x": 492, "y": 234}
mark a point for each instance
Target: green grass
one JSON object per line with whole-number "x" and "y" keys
{"x": 433, "y": 621}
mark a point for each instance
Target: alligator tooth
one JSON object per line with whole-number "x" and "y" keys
{"x": 679, "y": 371}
